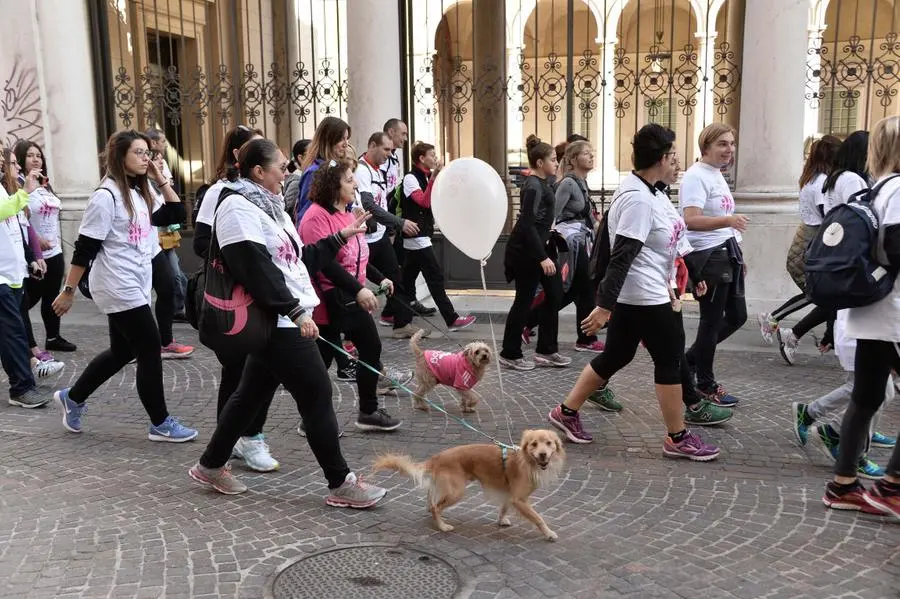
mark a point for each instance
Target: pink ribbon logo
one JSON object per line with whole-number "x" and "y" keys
{"x": 239, "y": 302}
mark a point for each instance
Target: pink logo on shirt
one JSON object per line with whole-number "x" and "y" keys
{"x": 137, "y": 233}
{"x": 286, "y": 253}
{"x": 678, "y": 228}
{"x": 727, "y": 204}
{"x": 46, "y": 210}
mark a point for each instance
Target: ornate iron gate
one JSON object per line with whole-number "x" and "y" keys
{"x": 196, "y": 68}
{"x": 853, "y": 65}
{"x": 598, "y": 68}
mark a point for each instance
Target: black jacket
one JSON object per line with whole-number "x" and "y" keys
{"x": 527, "y": 242}
{"x": 420, "y": 215}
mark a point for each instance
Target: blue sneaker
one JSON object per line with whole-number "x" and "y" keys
{"x": 800, "y": 418}
{"x": 879, "y": 440}
{"x": 71, "y": 411}
{"x": 719, "y": 397}
{"x": 171, "y": 431}
{"x": 869, "y": 469}
{"x": 830, "y": 438}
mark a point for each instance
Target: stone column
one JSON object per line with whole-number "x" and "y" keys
{"x": 373, "y": 50}
{"x": 67, "y": 94}
{"x": 705, "y": 111}
{"x": 770, "y": 143}
{"x": 606, "y": 161}
{"x": 489, "y": 22}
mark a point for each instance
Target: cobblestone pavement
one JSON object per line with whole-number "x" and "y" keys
{"x": 110, "y": 514}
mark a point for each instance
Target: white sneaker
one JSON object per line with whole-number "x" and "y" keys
{"x": 767, "y": 327}
{"x": 255, "y": 453}
{"x": 355, "y": 493}
{"x": 788, "y": 344}
{"x": 44, "y": 368}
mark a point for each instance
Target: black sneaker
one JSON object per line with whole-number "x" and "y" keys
{"x": 379, "y": 420}
{"x": 59, "y": 344}
{"x": 347, "y": 375}
{"x": 422, "y": 310}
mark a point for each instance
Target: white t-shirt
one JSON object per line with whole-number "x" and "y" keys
{"x": 13, "y": 269}
{"x": 44, "y": 208}
{"x": 240, "y": 220}
{"x": 121, "y": 274}
{"x": 649, "y": 217}
{"x": 704, "y": 187}
{"x": 411, "y": 184}
{"x": 391, "y": 170}
{"x": 208, "y": 205}
{"x": 846, "y": 185}
{"x": 881, "y": 320}
{"x": 371, "y": 180}
{"x": 811, "y": 197}
{"x": 158, "y": 201}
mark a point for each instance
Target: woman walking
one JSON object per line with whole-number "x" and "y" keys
{"x": 43, "y": 206}
{"x": 528, "y": 264}
{"x": 115, "y": 236}
{"x": 265, "y": 255}
{"x": 812, "y": 210}
{"x": 876, "y": 328}
{"x": 346, "y": 304}
{"x": 251, "y": 447}
{"x": 714, "y": 231}
{"x": 847, "y": 177}
{"x": 331, "y": 141}
{"x": 646, "y": 235}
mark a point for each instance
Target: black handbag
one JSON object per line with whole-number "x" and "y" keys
{"x": 228, "y": 319}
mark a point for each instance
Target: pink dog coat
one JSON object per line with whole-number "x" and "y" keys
{"x": 452, "y": 370}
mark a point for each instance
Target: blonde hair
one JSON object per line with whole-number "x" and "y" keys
{"x": 571, "y": 154}
{"x": 711, "y": 133}
{"x": 884, "y": 147}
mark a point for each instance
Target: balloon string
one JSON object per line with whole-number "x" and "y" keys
{"x": 496, "y": 353}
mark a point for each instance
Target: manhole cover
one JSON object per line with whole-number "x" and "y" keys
{"x": 371, "y": 571}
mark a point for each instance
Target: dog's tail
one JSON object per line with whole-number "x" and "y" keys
{"x": 403, "y": 464}
{"x": 414, "y": 342}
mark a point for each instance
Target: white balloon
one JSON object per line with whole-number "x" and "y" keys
{"x": 470, "y": 206}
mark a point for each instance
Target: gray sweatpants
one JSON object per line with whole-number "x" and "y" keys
{"x": 834, "y": 403}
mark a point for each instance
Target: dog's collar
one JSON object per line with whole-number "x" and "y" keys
{"x": 503, "y": 457}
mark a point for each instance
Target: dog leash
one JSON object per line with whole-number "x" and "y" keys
{"x": 504, "y": 447}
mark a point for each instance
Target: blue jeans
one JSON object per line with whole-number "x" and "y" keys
{"x": 180, "y": 280}
{"x": 14, "y": 353}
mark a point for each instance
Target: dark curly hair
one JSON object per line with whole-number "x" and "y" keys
{"x": 326, "y": 185}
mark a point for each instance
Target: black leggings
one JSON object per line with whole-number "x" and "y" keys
{"x": 424, "y": 261}
{"x": 874, "y": 362}
{"x": 581, "y": 291}
{"x": 527, "y": 280}
{"x": 293, "y": 361}
{"x": 815, "y": 317}
{"x": 26, "y": 319}
{"x": 359, "y": 327}
{"x": 658, "y": 327}
{"x": 232, "y": 370}
{"x": 383, "y": 257}
{"x": 132, "y": 334}
{"x": 333, "y": 334}
{"x": 164, "y": 286}
{"x": 722, "y": 312}
{"x": 45, "y": 291}
{"x": 798, "y": 302}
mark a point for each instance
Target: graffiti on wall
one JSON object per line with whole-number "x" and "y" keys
{"x": 20, "y": 104}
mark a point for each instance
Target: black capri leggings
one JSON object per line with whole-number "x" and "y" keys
{"x": 658, "y": 327}
{"x": 45, "y": 291}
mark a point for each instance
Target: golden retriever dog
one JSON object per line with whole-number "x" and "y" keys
{"x": 461, "y": 370}
{"x": 510, "y": 480}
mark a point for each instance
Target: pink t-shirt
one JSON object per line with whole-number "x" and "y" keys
{"x": 318, "y": 223}
{"x": 452, "y": 370}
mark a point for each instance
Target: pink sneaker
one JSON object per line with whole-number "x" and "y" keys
{"x": 350, "y": 349}
{"x": 569, "y": 425}
{"x": 597, "y": 347}
{"x": 691, "y": 447}
{"x": 527, "y": 334}
{"x": 176, "y": 351}
{"x": 461, "y": 323}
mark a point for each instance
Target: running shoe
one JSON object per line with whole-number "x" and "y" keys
{"x": 219, "y": 479}
{"x": 868, "y": 469}
{"x": 884, "y": 498}
{"x": 354, "y": 493}
{"x": 569, "y": 425}
{"x": 767, "y": 326}
{"x": 719, "y": 396}
{"x": 255, "y": 453}
{"x": 787, "y": 345}
{"x": 527, "y": 334}
{"x": 605, "y": 399}
{"x": 176, "y": 351}
{"x": 518, "y": 364}
{"x": 830, "y": 438}
{"x": 596, "y": 347}
{"x": 707, "y": 414}
{"x": 880, "y": 440}
{"x": 461, "y": 323}
{"x": 801, "y": 421}
{"x": 171, "y": 431}
{"x": 852, "y": 498}
{"x": 554, "y": 360}
{"x": 71, "y": 411}
{"x": 691, "y": 447}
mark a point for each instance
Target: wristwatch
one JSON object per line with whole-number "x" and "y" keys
{"x": 68, "y": 289}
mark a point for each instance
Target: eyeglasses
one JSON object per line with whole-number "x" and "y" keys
{"x": 142, "y": 153}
